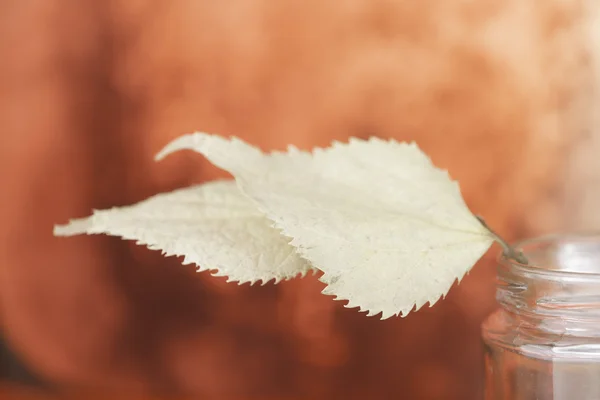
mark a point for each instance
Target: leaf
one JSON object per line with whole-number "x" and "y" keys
{"x": 389, "y": 230}
{"x": 213, "y": 225}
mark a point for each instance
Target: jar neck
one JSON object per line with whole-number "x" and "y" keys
{"x": 559, "y": 290}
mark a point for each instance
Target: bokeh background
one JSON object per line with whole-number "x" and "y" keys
{"x": 501, "y": 93}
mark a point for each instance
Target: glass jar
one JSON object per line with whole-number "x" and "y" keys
{"x": 543, "y": 343}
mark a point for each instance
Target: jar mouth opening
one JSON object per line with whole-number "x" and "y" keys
{"x": 572, "y": 254}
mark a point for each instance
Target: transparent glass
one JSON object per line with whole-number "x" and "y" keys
{"x": 543, "y": 343}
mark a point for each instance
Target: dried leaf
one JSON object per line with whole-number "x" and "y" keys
{"x": 389, "y": 230}
{"x": 213, "y": 225}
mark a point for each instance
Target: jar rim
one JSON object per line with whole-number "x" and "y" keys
{"x": 552, "y": 270}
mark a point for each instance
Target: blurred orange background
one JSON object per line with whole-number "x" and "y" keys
{"x": 495, "y": 91}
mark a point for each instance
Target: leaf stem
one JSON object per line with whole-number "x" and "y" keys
{"x": 509, "y": 251}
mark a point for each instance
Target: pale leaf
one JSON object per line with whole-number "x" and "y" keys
{"x": 389, "y": 230}
{"x": 213, "y": 226}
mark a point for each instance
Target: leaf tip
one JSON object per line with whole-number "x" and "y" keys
{"x": 186, "y": 141}
{"x": 73, "y": 227}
